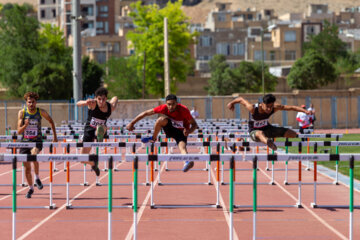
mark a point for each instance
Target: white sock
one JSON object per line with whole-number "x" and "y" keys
{"x": 37, "y": 176}
{"x": 31, "y": 187}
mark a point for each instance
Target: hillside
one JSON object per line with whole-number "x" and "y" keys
{"x": 199, "y": 12}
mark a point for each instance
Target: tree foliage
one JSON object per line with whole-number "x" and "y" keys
{"x": 327, "y": 43}
{"x": 245, "y": 78}
{"x": 33, "y": 57}
{"x": 124, "y": 80}
{"x": 92, "y": 74}
{"x": 148, "y": 42}
{"x": 311, "y": 71}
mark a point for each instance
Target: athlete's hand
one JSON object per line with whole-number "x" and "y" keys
{"x": 130, "y": 127}
{"x": 186, "y": 132}
{"x": 308, "y": 112}
{"x": 230, "y": 106}
{"x": 26, "y": 122}
{"x": 90, "y": 101}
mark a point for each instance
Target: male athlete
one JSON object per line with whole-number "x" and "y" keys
{"x": 175, "y": 122}
{"x": 259, "y": 127}
{"x": 99, "y": 110}
{"x": 29, "y": 125}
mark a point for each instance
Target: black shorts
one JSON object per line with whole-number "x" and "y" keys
{"x": 89, "y": 134}
{"x": 269, "y": 132}
{"x": 175, "y": 133}
{"x": 28, "y": 150}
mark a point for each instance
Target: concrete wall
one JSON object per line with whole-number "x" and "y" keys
{"x": 334, "y": 109}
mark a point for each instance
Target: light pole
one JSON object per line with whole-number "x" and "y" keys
{"x": 262, "y": 61}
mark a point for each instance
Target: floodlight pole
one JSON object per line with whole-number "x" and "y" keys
{"x": 166, "y": 59}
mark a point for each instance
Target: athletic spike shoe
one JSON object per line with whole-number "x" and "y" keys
{"x": 100, "y": 132}
{"x": 29, "y": 193}
{"x": 96, "y": 170}
{"x": 271, "y": 144}
{"x": 188, "y": 165}
{"x": 39, "y": 184}
{"x": 147, "y": 139}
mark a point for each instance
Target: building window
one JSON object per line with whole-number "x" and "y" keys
{"x": 290, "y": 55}
{"x": 102, "y": 44}
{"x": 117, "y": 27}
{"x": 205, "y": 41}
{"x": 310, "y": 30}
{"x": 257, "y": 55}
{"x": 116, "y": 47}
{"x": 290, "y": 36}
{"x": 249, "y": 16}
{"x": 90, "y": 25}
{"x": 272, "y": 56}
{"x": 42, "y": 1}
{"x": 54, "y": 1}
{"x": 54, "y": 13}
{"x": 238, "y": 49}
{"x": 90, "y": 11}
{"x": 223, "y": 48}
{"x": 87, "y": 44}
{"x": 106, "y": 27}
{"x": 221, "y": 17}
{"x": 42, "y": 13}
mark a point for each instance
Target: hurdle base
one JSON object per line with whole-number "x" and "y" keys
{"x": 24, "y": 185}
{"x": 69, "y": 206}
{"x": 98, "y": 184}
{"x": 267, "y": 206}
{"x": 147, "y": 184}
{"x": 336, "y": 183}
{"x": 313, "y": 205}
{"x": 55, "y": 170}
{"x": 85, "y": 184}
{"x": 267, "y": 169}
{"x": 298, "y": 205}
{"x": 272, "y": 183}
{"x": 286, "y": 183}
{"x": 186, "y": 206}
{"x": 105, "y": 170}
{"x": 51, "y": 207}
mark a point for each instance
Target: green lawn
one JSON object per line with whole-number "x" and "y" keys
{"x": 343, "y": 166}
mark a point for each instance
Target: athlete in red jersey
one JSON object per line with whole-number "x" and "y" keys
{"x": 176, "y": 122}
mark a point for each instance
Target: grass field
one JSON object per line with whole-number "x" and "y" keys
{"x": 343, "y": 166}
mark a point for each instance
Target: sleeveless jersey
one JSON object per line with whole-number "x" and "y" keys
{"x": 258, "y": 121}
{"x": 33, "y": 131}
{"x": 97, "y": 117}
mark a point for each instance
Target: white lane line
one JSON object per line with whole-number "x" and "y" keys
{"x": 321, "y": 220}
{"x": 10, "y": 171}
{"x": 222, "y": 203}
{"x": 143, "y": 206}
{"x": 25, "y": 188}
{"x": 59, "y": 209}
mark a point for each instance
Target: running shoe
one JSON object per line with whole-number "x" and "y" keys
{"x": 100, "y": 132}
{"x": 271, "y": 144}
{"x": 147, "y": 139}
{"x": 39, "y": 184}
{"x": 96, "y": 170}
{"x": 188, "y": 165}
{"x": 29, "y": 193}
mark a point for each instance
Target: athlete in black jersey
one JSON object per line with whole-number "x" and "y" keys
{"x": 99, "y": 110}
{"x": 259, "y": 127}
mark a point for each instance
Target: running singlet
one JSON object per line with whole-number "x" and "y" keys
{"x": 33, "y": 131}
{"x": 258, "y": 121}
{"x": 97, "y": 117}
{"x": 179, "y": 118}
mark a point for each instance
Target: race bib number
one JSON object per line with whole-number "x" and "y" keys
{"x": 95, "y": 121}
{"x": 30, "y": 133}
{"x": 31, "y": 130}
{"x": 177, "y": 124}
{"x": 261, "y": 123}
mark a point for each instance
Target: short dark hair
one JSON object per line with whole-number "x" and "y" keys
{"x": 101, "y": 91}
{"x": 33, "y": 95}
{"x": 171, "y": 97}
{"x": 269, "y": 98}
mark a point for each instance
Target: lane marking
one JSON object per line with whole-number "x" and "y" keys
{"x": 143, "y": 206}
{"x": 59, "y": 209}
{"x": 321, "y": 220}
{"x": 222, "y": 203}
{"x": 26, "y": 188}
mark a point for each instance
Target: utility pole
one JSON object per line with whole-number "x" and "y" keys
{"x": 166, "y": 59}
{"x": 77, "y": 74}
{"x": 262, "y": 60}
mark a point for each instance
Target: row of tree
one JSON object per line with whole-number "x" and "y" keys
{"x": 34, "y": 57}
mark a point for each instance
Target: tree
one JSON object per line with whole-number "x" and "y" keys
{"x": 246, "y": 78}
{"x": 19, "y": 45}
{"x": 148, "y": 40}
{"x": 327, "y": 43}
{"x": 92, "y": 74}
{"x": 311, "y": 71}
{"x": 124, "y": 80}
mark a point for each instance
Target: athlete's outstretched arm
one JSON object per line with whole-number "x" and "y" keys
{"x": 146, "y": 113}
{"x": 193, "y": 127}
{"x": 50, "y": 120}
{"x": 20, "y": 126}
{"x": 278, "y": 107}
{"x": 113, "y": 102}
{"x": 90, "y": 103}
{"x": 243, "y": 102}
